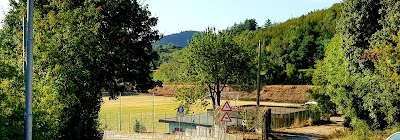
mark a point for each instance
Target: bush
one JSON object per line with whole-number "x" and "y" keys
{"x": 315, "y": 117}
{"x": 139, "y": 127}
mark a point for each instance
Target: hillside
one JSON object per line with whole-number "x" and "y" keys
{"x": 290, "y": 49}
{"x": 177, "y": 39}
{"x": 293, "y": 47}
{"x": 272, "y": 93}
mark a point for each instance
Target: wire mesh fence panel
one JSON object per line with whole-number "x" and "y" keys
{"x": 203, "y": 125}
{"x": 135, "y": 123}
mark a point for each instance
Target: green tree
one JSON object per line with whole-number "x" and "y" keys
{"x": 358, "y": 76}
{"x": 192, "y": 95}
{"x": 166, "y": 53}
{"x": 268, "y": 23}
{"x": 126, "y": 36}
{"x": 248, "y": 24}
{"x": 214, "y": 60}
{"x": 81, "y": 48}
{"x": 330, "y": 73}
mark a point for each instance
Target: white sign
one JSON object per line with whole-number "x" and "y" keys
{"x": 226, "y": 107}
{"x": 244, "y": 122}
{"x": 226, "y": 118}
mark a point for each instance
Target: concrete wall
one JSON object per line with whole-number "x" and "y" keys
{"x": 173, "y": 126}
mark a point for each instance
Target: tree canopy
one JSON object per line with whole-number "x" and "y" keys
{"x": 81, "y": 48}
{"x": 359, "y": 71}
{"x": 214, "y": 60}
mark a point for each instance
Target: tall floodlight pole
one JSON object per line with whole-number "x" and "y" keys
{"x": 28, "y": 75}
{"x": 258, "y": 73}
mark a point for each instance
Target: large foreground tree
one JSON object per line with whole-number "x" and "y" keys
{"x": 81, "y": 48}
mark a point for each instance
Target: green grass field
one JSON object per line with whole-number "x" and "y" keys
{"x": 140, "y": 107}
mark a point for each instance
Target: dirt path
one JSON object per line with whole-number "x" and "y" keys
{"x": 306, "y": 133}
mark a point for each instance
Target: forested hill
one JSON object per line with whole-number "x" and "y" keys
{"x": 290, "y": 49}
{"x": 177, "y": 39}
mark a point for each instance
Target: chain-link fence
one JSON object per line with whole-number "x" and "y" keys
{"x": 292, "y": 117}
{"x": 135, "y": 122}
{"x": 246, "y": 122}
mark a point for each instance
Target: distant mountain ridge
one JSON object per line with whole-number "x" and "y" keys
{"x": 179, "y": 39}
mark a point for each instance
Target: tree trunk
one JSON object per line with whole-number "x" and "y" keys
{"x": 213, "y": 101}
{"x": 212, "y": 96}
{"x": 218, "y": 93}
{"x": 218, "y": 98}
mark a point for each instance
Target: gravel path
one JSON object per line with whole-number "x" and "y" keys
{"x": 306, "y": 133}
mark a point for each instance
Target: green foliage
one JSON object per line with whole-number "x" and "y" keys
{"x": 139, "y": 127}
{"x": 365, "y": 133}
{"x": 126, "y": 37}
{"x": 189, "y": 96}
{"x": 166, "y": 53}
{"x": 290, "y": 53}
{"x": 248, "y": 24}
{"x": 315, "y": 114}
{"x": 268, "y": 23}
{"x": 329, "y": 74}
{"x": 81, "y": 48}
{"x": 292, "y": 46}
{"x": 359, "y": 70}
{"x": 214, "y": 60}
{"x": 254, "y": 118}
{"x": 170, "y": 71}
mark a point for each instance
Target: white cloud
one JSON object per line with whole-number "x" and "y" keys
{"x": 4, "y": 7}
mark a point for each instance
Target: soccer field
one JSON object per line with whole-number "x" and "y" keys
{"x": 140, "y": 107}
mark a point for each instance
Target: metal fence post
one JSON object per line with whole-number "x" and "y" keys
{"x": 284, "y": 118}
{"x": 302, "y": 119}
{"x": 141, "y": 121}
{"x": 105, "y": 121}
{"x": 117, "y": 122}
{"x": 291, "y": 114}
{"x": 129, "y": 127}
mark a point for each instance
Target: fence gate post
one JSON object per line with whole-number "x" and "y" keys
{"x": 268, "y": 123}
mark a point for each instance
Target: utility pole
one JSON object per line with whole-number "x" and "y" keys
{"x": 258, "y": 73}
{"x": 28, "y": 76}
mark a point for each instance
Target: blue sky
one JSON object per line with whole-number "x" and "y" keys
{"x": 180, "y": 15}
